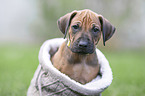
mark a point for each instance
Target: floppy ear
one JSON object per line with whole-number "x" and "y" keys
{"x": 64, "y": 22}
{"x": 106, "y": 28}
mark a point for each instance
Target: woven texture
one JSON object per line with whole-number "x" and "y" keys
{"x": 49, "y": 86}
{"x": 48, "y": 81}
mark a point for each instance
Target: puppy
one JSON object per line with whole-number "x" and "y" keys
{"x": 77, "y": 57}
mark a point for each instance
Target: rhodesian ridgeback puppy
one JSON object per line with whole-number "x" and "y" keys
{"x": 77, "y": 57}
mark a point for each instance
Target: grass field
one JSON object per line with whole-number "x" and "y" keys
{"x": 18, "y": 64}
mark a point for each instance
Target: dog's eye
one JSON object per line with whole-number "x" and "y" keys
{"x": 75, "y": 26}
{"x": 95, "y": 29}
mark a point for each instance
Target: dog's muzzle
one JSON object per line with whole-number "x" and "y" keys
{"x": 83, "y": 46}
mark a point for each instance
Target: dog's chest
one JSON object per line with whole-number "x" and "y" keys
{"x": 82, "y": 73}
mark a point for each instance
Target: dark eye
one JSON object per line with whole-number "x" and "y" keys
{"x": 95, "y": 29}
{"x": 75, "y": 26}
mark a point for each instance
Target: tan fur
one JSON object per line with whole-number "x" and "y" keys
{"x": 81, "y": 67}
{"x": 86, "y": 18}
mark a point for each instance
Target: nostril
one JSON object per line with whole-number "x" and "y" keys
{"x": 83, "y": 44}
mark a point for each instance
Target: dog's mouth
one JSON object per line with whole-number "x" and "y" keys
{"x": 83, "y": 46}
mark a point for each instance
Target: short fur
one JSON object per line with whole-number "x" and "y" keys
{"x": 80, "y": 63}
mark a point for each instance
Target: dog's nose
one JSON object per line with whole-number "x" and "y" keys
{"x": 83, "y": 44}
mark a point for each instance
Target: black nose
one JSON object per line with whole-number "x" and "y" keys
{"x": 83, "y": 44}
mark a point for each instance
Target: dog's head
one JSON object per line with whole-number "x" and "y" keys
{"x": 85, "y": 28}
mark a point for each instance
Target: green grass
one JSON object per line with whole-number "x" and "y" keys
{"x": 18, "y": 64}
{"x": 129, "y": 74}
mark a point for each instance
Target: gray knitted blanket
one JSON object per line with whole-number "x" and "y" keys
{"x": 48, "y": 81}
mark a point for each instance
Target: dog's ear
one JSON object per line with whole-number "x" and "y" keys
{"x": 64, "y": 22}
{"x": 106, "y": 28}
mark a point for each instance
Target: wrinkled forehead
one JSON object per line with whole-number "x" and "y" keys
{"x": 86, "y": 16}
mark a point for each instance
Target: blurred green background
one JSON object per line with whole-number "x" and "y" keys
{"x": 26, "y": 24}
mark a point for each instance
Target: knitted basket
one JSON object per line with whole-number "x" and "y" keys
{"x": 48, "y": 81}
